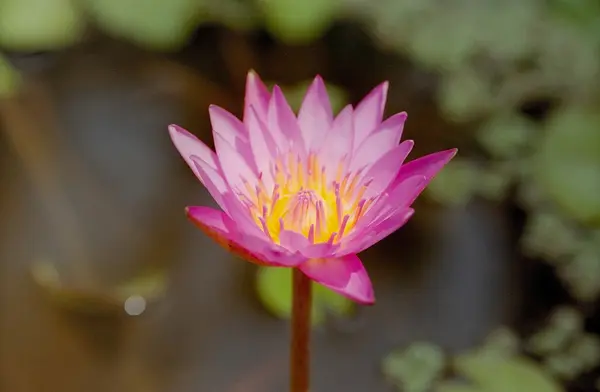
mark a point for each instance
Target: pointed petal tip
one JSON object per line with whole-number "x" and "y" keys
{"x": 174, "y": 129}
{"x": 212, "y": 108}
{"x": 319, "y": 80}
{"x": 253, "y": 77}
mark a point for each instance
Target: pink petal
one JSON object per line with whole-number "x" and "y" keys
{"x": 427, "y": 166}
{"x": 212, "y": 179}
{"x": 369, "y": 113}
{"x": 296, "y": 242}
{"x": 218, "y": 226}
{"x": 386, "y": 137}
{"x": 236, "y": 168}
{"x": 293, "y": 241}
{"x": 242, "y": 218}
{"x": 315, "y": 115}
{"x": 337, "y": 143}
{"x": 385, "y": 170}
{"x": 263, "y": 147}
{"x": 257, "y": 95}
{"x": 390, "y": 203}
{"x": 375, "y": 233}
{"x": 283, "y": 124}
{"x": 405, "y": 193}
{"x": 345, "y": 275}
{"x": 251, "y": 237}
{"x": 188, "y": 145}
{"x": 227, "y": 127}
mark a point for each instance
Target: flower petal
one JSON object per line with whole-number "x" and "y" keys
{"x": 345, "y": 275}
{"x": 212, "y": 179}
{"x": 375, "y": 233}
{"x": 218, "y": 226}
{"x": 188, "y": 145}
{"x": 385, "y": 170}
{"x": 296, "y": 242}
{"x": 369, "y": 113}
{"x": 427, "y": 166}
{"x": 227, "y": 127}
{"x": 337, "y": 143}
{"x": 263, "y": 147}
{"x": 386, "y": 137}
{"x": 293, "y": 241}
{"x": 257, "y": 95}
{"x": 283, "y": 124}
{"x": 236, "y": 168}
{"x": 390, "y": 203}
{"x": 315, "y": 115}
{"x": 242, "y": 218}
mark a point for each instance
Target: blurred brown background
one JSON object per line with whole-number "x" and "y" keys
{"x": 105, "y": 286}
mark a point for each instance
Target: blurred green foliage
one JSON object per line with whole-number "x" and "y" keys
{"x": 496, "y": 366}
{"x": 568, "y": 163}
{"x": 274, "y": 288}
{"x": 34, "y": 25}
{"x": 489, "y": 373}
{"x": 155, "y": 24}
{"x": 298, "y": 22}
{"x": 416, "y": 368}
{"x": 9, "y": 79}
{"x": 491, "y": 58}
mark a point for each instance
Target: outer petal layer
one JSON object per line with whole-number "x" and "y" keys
{"x": 427, "y": 166}
{"x": 218, "y": 226}
{"x": 257, "y": 95}
{"x": 345, "y": 275}
{"x": 369, "y": 113}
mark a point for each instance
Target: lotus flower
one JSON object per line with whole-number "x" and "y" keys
{"x": 307, "y": 191}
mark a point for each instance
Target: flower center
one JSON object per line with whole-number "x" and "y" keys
{"x": 305, "y": 214}
{"x": 304, "y": 200}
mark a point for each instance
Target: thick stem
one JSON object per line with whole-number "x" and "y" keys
{"x": 301, "y": 326}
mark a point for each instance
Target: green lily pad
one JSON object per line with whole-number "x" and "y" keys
{"x": 9, "y": 79}
{"x": 506, "y": 136}
{"x": 274, "y": 287}
{"x": 416, "y": 368}
{"x": 455, "y": 386}
{"x": 428, "y": 40}
{"x": 549, "y": 235}
{"x": 564, "y": 325}
{"x": 465, "y": 94}
{"x": 298, "y": 22}
{"x": 568, "y": 163}
{"x": 582, "y": 273}
{"x": 163, "y": 25}
{"x": 502, "y": 342}
{"x": 33, "y": 25}
{"x": 494, "y": 181}
{"x": 492, "y": 373}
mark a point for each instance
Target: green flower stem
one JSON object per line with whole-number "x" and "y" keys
{"x": 301, "y": 326}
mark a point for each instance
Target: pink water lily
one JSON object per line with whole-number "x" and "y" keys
{"x": 307, "y": 191}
